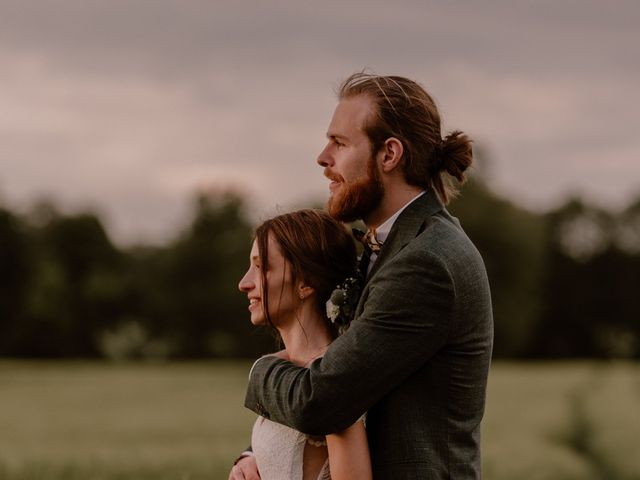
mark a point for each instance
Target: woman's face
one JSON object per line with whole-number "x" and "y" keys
{"x": 283, "y": 300}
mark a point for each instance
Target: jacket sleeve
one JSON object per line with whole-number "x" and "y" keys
{"x": 405, "y": 320}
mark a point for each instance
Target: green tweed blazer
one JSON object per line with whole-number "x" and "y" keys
{"x": 416, "y": 358}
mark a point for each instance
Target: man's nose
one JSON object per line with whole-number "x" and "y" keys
{"x": 325, "y": 159}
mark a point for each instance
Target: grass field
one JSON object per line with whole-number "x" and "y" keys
{"x": 90, "y": 421}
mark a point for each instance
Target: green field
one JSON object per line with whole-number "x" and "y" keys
{"x": 91, "y": 421}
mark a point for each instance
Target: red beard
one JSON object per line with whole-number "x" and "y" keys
{"x": 359, "y": 198}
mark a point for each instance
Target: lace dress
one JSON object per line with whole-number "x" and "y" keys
{"x": 279, "y": 451}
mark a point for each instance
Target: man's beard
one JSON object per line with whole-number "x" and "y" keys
{"x": 358, "y": 199}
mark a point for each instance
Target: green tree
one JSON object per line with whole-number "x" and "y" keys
{"x": 192, "y": 285}
{"x": 75, "y": 288}
{"x": 590, "y": 287}
{"x": 15, "y": 281}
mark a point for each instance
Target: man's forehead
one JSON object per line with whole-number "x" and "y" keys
{"x": 357, "y": 105}
{"x": 351, "y": 112}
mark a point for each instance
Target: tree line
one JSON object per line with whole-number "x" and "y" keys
{"x": 564, "y": 283}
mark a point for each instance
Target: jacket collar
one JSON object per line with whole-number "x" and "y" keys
{"x": 407, "y": 227}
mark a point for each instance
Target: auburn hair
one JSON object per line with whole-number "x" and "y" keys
{"x": 320, "y": 250}
{"x": 405, "y": 111}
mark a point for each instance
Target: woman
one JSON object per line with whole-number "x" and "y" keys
{"x": 298, "y": 260}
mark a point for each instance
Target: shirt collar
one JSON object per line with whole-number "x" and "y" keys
{"x": 382, "y": 232}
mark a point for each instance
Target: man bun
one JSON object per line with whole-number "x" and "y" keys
{"x": 456, "y": 154}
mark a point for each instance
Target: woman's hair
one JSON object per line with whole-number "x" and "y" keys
{"x": 319, "y": 249}
{"x": 404, "y": 110}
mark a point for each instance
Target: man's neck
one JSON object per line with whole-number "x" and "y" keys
{"x": 393, "y": 200}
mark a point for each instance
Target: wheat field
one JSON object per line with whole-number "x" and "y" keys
{"x": 186, "y": 421}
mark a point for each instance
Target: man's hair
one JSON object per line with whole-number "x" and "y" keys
{"x": 407, "y": 112}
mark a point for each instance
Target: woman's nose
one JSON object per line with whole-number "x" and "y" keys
{"x": 245, "y": 284}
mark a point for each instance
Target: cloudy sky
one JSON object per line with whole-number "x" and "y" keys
{"x": 129, "y": 106}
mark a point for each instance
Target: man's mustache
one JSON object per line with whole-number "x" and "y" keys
{"x": 334, "y": 177}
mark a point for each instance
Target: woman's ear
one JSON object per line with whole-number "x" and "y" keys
{"x": 304, "y": 291}
{"x": 391, "y": 154}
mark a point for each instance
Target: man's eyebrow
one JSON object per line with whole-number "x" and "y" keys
{"x": 333, "y": 136}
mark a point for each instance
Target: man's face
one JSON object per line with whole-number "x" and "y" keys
{"x": 348, "y": 161}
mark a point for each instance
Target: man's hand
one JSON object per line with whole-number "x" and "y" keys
{"x": 245, "y": 469}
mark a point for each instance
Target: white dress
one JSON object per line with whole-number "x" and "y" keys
{"x": 279, "y": 451}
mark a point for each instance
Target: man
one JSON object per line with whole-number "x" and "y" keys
{"x": 417, "y": 355}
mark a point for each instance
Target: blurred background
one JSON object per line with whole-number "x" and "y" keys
{"x": 143, "y": 140}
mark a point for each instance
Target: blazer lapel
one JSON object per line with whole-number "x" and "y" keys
{"x": 407, "y": 227}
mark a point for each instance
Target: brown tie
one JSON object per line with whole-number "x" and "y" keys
{"x": 369, "y": 240}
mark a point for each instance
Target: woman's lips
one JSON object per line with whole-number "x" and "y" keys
{"x": 253, "y": 303}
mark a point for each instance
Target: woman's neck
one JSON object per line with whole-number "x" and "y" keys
{"x": 306, "y": 336}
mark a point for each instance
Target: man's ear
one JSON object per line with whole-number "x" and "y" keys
{"x": 391, "y": 154}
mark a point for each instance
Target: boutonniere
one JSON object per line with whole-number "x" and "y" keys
{"x": 341, "y": 306}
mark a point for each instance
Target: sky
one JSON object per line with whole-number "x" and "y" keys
{"x": 129, "y": 107}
